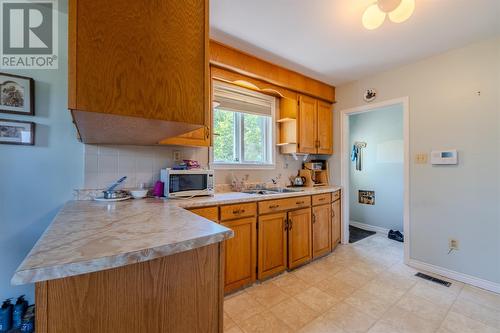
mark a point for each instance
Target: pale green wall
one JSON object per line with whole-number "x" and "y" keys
{"x": 462, "y": 201}
{"x": 382, "y": 167}
{"x": 36, "y": 181}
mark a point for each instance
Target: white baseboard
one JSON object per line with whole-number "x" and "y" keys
{"x": 369, "y": 227}
{"x": 477, "y": 282}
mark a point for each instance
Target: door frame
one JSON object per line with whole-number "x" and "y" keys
{"x": 345, "y": 165}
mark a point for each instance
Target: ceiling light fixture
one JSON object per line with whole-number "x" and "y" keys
{"x": 397, "y": 10}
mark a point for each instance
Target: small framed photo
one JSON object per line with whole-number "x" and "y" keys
{"x": 17, "y": 94}
{"x": 16, "y": 132}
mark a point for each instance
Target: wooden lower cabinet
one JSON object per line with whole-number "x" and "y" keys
{"x": 241, "y": 253}
{"x": 272, "y": 245}
{"x": 336, "y": 229}
{"x": 178, "y": 293}
{"x": 321, "y": 230}
{"x": 210, "y": 213}
{"x": 299, "y": 237}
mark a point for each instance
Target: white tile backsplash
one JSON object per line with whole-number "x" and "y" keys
{"x": 104, "y": 164}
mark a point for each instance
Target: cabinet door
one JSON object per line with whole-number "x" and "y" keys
{"x": 272, "y": 244}
{"x": 299, "y": 237}
{"x": 321, "y": 226}
{"x": 325, "y": 128}
{"x": 240, "y": 253}
{"x": 307, "y": 125}
{"x": 140, "y": 59}
{"x": 336, "y": 223}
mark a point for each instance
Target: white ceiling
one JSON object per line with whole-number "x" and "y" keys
{"x": 325, "y": 39}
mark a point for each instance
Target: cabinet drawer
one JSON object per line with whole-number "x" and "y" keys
{"x": 231, "y": 212}
{"x": 210, "y": 213}
{"x": 272, "y": 206}
{"x": 335, "y": 196}
{"x": 320, "y": 199}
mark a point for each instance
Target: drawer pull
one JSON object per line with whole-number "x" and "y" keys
{"x": 274, "y": 206}
{"x": 314, "y": 218}
{"x": 238, "y": 211}
{"x": 321, "y": 199}
{"x": 300, "y": 202}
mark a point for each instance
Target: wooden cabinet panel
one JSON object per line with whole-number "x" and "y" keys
{"x": 176, "y": 293}
{"x": 230, "y": 212}
{"x": 321, "y": 230}
{"x": 307, "y": 124}
{"x": 272, "y": 206}
{"x": 240, "y": 254}
{"x": 336, "y": 223}
{"x": 272, "y": 245}
{"x": 299, "y": 237}
{"x": 325, "y": 128}
{"x": 210, "y": 213}
{"x": 141, "y": 60}
{"x": 321, "y": 199}
{"x": 197, "y": 138}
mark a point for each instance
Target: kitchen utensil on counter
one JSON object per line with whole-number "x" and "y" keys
{"x": 298, "y": 181}
{"x": 112, "y": 200}
{"x": 111, "y": 193}
{"x": 139, "y": 193}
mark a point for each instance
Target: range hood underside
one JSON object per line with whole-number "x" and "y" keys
{"x": 102, "y": 128}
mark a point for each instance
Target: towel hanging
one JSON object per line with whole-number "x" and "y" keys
{"x": 357, "y": 154}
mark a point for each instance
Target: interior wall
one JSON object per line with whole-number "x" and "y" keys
{"x": 104, "y": 164}
{"x": 382, "y": 167}
{"x": 454, "y": 103}
{"x": 35, "y": 181}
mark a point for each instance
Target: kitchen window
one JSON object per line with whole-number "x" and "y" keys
{"x": 243, "y": 128}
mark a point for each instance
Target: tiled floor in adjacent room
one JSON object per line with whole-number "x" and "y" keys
{"x": 361, "y": 287}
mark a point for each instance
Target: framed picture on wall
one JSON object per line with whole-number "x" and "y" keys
{"x": 15, "y": 132}
{"x": 17, "y": 94}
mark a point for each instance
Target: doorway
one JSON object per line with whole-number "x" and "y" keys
{"x": 357, "y": 163}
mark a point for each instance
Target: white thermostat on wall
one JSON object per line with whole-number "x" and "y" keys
{"x": 440, "y": 157}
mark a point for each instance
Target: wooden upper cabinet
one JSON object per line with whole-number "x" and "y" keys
{"x": 324, "y": 128}
{"x": 272, "y": 245}
{"x": 321, "y": 226}
{"x": 307, "y": 124}
{"x": 147, "y": 60}
{"x": 240, "y": 253}
{"x": 299, "y": 237}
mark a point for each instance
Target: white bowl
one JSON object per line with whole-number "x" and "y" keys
{"x": 138, "y": 193}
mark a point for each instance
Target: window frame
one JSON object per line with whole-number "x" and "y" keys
{"x": 270, "y": 129}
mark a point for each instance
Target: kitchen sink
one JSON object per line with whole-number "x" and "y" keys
{"x": 274, "y": 190}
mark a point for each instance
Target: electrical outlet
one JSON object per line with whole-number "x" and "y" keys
{"x": 176, "y": 155}
{"x": 421, "y": 158}
{"x": 453, "y": 244}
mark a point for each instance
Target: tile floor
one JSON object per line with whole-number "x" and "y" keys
{"x": 361, "y": 287}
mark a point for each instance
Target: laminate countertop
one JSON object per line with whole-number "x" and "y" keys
{"x": 91, "y": 236}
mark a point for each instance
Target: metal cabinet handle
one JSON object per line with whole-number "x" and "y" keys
{"x": 321, "y": 199}
{"x": 314, "y": 218}
{"x": 286, "y": 224}
{"x": 290, "y": 224}
{"x": 274, "y": 206}
{"x": 299, "y": 203}
{"x": 238, "y": 211}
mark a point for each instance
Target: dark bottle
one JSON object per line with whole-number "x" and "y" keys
{"x": 28, "y": 324}
{"x": 18, "y": 312}
{"x": 6, "y": 316}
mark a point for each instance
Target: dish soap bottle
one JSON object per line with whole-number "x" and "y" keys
{"x": 18, "y": 313}
{"x": 6, "y": 316}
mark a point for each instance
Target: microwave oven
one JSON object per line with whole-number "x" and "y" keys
{"x": 187, "y": 183}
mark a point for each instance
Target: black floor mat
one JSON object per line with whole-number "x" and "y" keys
{"x": 356, "y": 234}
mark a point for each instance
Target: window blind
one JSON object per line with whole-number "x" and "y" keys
{"x": 242, "y": 100}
